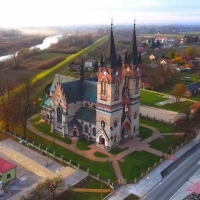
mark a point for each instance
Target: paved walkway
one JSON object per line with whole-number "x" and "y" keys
{"x": 32, "y": 165}
{"x": 132, "y": 145}
{"x": 154, "y": 177}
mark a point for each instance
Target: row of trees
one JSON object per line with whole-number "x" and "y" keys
{"x": 16, "y": 105}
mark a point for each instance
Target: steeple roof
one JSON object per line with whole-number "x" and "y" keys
{"x": 133, "y": 48}
{"x": 110, "y": 57}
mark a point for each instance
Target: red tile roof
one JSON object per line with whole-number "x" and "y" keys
{"x": 6, "y": 166}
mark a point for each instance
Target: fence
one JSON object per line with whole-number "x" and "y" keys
{"x": 156, "y": 119}
{"x": 61, "y": 159}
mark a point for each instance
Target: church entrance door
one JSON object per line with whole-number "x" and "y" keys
{"x": 126, "y": 129}
{"x": 74, "y": 133}
{"x": 103, "y": 141}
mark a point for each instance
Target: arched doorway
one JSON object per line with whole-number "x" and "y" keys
{"x": 126, "y": 130}
{"x": 75, "y": 132}
{"x": 102, "y": 140}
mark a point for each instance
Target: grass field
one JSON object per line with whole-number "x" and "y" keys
{"x": 150, "y": 99}
{"x": 181, "y": 35}
{"x": 83, "y": 144}
{"x": 145, "y": 133}
{"x": 176, "y": 108}
{"x": 162, "y": 144}
{"x": 46, "y": 129}
{"x": 95, "y": 167}
{"x": 47, "y": 55}
{"x": 100, "y": 155}
{"x": 136, "y": 163}
{"x": 163, "y": 128}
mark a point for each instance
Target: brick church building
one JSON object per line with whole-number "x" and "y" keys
{"x": 104, "y": 109}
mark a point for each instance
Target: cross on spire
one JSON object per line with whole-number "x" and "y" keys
{"x": 112, "y": 19}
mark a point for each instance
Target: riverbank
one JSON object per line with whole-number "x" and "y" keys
{"x": 13, "y": 44}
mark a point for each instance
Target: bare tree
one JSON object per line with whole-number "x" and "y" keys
{"x": 24, "y": 99}
{"x": 188, "y": 123}
{"x": 7, "y": 108}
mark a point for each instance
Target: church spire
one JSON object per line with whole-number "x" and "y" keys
{"x": 111, "y": 52}
{"x": 81, "y": 74}
{"x": 133, "y": 47}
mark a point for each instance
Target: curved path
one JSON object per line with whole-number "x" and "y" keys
{"x": 133, "y": 144}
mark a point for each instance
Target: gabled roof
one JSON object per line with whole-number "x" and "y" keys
{"x": 193, "y": 86}
{"x": 74, "y": 122}
{"x": 47, "y": 102}
{"x": 5, "y": 166}
{"x": 72, "y": 91}
{"x": 89, "y": 91}
{"x": 87, "y": 115}
{"x": 61, "y": 79}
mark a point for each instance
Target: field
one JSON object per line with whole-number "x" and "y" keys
{"x": 175, "y": 36}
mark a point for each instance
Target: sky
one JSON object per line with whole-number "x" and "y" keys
{"x": 85, "y": 12}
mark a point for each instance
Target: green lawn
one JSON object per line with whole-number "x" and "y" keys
{"x": 47, "y": 55}
{"x": 145, "y": 132}
{"x": 95, "y": 167}
{"x": 162, "y": 144}
{"x": 94, "y": 184}
{"x": 46, "y": 128}
{"x": 163, "y": 128}
{"x": 177, "y": 108}
{"x": 100, "y": 155}
{"x": 150, "y": 99}
{"x": 37, "y": 119}
{"x": 196, "y": 97}
{"x": 83, "y": 144}
{"x": 117, "y": 150}
{"x": 88, "y": 196}
{"x": 136, "y": 163}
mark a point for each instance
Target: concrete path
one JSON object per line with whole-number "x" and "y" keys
{"x": 152, "y": 112}
{"x": 33, "y": 166}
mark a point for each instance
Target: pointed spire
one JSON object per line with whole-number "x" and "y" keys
{"x": 81, "y": 75}
{"x": 133, "y": 47}
{"x": 140, "y": 58}
{"x": 111, "y": 52}
{"x": 119, "y": 61}
{"x": 101, "y": 61}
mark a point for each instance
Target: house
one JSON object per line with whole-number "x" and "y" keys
{"x": 7, "y": 171}
{"x": 195, "y": 106}
{"x": 192, "y": 89}
{"x": 89, "y": 64}
{"x": 74, "y": 66}
{"x": 105, "y": 108}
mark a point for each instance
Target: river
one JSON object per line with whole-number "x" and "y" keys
{"x": 46, "y": 43}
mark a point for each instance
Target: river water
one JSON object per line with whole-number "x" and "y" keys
{"x": 46, "y": 43}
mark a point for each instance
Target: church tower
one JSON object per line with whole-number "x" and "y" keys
{"x": 109, "y": 97}
{"x": 131, "y": 90}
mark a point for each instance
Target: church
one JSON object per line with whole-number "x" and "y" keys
{"x": 104, "y": 109}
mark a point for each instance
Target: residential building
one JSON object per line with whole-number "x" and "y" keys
{"x": 89, "y": 64}
{"x": 7, "y": 171}
{"x": 192, "y": 89}
{"x": 104, "y": 109}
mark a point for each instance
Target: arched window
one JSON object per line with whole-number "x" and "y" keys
{"x": 59, "y": 115}
{"x": 135, "y": 115}
{"x": 116, "y": 92}
{"x": 86, "y": 128}
{"x": 115, "y": 123}
{"x": 127, "y": 80}
{"x": 103, "y": 87}
{"x": 94, "y": 131}
{"x": 103, "y": 123}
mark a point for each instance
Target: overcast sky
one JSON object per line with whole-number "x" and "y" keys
{"x": 75, "y": 12}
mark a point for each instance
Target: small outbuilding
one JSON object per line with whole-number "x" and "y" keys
{"x": 7, "y": 171}
{"x": 192, "y": 89}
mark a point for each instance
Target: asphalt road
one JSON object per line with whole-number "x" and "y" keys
{"x": 170, "y": 184}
